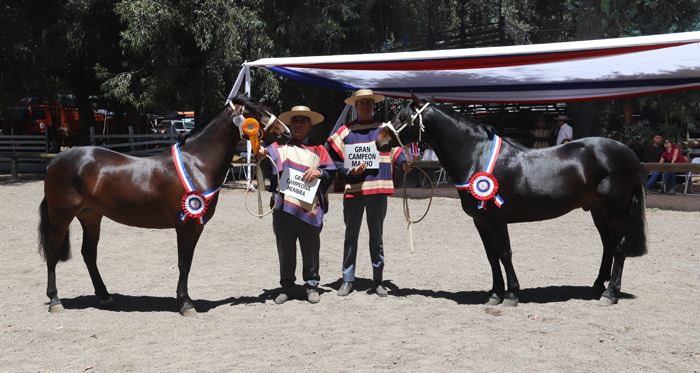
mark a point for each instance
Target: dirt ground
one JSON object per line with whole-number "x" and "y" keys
{"x": 433, "y": 320}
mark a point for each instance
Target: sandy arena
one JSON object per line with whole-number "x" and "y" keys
{"x": 433, "y": 320}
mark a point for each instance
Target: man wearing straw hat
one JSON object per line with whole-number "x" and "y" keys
{"x": 303, "y": 165}
{"x": 566, "y": 133}
{"x": 367, "y": 185}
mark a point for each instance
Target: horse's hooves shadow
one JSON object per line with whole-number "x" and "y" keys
{"x": 549, "y": 294}
{"x": 554, "y": 294}
{"x": 129, "y": 303}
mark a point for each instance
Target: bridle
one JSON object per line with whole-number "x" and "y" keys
{"x": 261, "y": 133}
{"x": 419, "y": 115}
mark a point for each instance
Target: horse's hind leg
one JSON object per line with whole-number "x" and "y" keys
{"x": 58, "y": 250}
{"x": 601, "y": 222}
{"x": 90, "y": 221}
{"x": 617, "y": 235}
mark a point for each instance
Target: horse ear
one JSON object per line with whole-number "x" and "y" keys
{"x": 432, "y": 99}
{"x": 416, "y": 100}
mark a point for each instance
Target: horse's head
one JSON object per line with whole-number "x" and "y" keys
{"x": 266, "y": 127}
{"x": 404, "y": 128}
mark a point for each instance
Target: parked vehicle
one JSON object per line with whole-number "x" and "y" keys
{"x": 59, "y": 118}
{"x": 179, "y": 126}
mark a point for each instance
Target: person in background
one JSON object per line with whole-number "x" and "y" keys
{"x": 566, "y": 133}
{"x": 671, "y": 155}
{"x": 652, "y": 154}
{"x": 653, "y": 151}
{"x": 294, "y": 219}
{"x": 365, "y": 189}
{"x": 540, "y": 136}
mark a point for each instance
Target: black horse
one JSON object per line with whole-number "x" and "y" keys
{"x": 90, "y": 182}
{"x": 596, "y": 174}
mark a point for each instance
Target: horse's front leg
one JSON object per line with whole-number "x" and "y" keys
{"x": 501, "y": 244}
{"x": 498, "y": 287}
{"x": 187, "y": 237}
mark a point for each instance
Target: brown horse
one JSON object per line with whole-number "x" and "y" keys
{"x": 91, "y": 182}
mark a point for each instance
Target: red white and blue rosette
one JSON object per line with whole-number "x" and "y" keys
{"x": 483, "y": 186}
{"x": 194, "y": 204}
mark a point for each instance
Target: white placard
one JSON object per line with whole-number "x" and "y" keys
{"x": 355, "y": 154}
{"x": 292, "y": 184}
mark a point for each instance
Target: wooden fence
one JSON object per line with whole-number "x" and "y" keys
{"x": 28, "y": 152}
{"x": 134, "y": 144}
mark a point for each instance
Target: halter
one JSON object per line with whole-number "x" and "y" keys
{"x": 419, "y": 114}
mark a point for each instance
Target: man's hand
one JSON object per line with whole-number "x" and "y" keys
{"x": 262, "y": 153}
{"x": 358, "y": 170}
{"x": 310, "y": 175}
{"x": 406, "y": 167}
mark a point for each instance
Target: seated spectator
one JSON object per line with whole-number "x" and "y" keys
{"x": 653, "y": 151}
{"x": 652, "y": 154}
{"x": 671, "y": 155}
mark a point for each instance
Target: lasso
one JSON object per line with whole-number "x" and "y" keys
{"x": 406, "y": 212}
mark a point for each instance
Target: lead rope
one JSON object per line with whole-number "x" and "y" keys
{"x": 260, "y": 179}
{"x": 406, "y": 212}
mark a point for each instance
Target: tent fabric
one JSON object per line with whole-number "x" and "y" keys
{"x": 541, "y": 73}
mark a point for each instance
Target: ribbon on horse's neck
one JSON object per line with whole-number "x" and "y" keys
{"x": 483, "y": 185}
{"x": 419, "y": 115}
{"x": 194, "y": 204}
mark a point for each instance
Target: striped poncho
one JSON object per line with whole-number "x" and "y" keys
{"x": 302, "y": 155}
{"x": 374, "y": 181}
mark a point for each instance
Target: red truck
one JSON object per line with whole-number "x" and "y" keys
{"x": 35, "y": 116}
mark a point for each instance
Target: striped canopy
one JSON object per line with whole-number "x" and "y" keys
{"x": 557, "y": 72}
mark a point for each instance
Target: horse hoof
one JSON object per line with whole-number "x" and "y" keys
{"x": 606, "y": 302}
{"x": 56, "y": 308}
{"x": 510, "y": 302}
{"x": 494, "y": 300}
{"x": 190, "y": 312}
{"x": 109, "y": 303}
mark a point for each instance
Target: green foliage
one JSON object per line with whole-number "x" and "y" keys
{"x": 177, "y": 52}
{"x": 164, "y": 55}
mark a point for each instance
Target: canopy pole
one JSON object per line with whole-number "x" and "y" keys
{"x": 244, "y": 74}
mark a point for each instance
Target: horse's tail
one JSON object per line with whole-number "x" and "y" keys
{"x": 44, "y": 229}
{"x": 635, "y": 235}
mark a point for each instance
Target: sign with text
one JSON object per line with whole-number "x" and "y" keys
{"x": 358, "y": 153}
{"x": 292, "y": 184}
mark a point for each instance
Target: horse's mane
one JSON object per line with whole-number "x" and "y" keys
{"x": 488, "y": 129}
{"x": 241, "y": 99}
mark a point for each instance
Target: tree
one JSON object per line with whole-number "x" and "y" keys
{"x": 179, "y": 52}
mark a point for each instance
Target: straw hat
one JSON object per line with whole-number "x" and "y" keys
{"x": 363, "y": 94}
{"x": 303, "y": 111}
{"x": 562, "y": 117}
